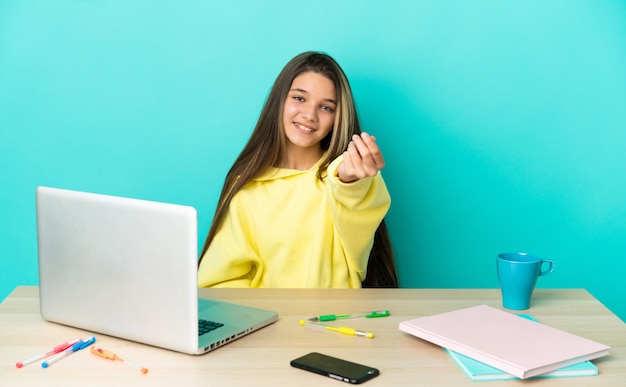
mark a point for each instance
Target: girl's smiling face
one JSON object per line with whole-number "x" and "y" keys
{"x": 308, "y": 114}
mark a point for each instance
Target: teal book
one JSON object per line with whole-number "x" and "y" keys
{"x": 478, "y": 371}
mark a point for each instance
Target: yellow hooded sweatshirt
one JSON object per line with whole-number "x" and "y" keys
{"x": 289, "y": 229}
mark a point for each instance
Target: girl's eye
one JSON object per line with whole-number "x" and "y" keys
{"x": 327, "y": 108}
{"x": 298, "y": 98}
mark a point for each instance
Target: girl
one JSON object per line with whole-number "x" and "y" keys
{"x": 304, "y": 203}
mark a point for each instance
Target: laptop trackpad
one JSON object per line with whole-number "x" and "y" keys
{"x": 204, "y": 304}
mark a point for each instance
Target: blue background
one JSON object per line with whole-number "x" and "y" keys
{"x": 503, "y": 122}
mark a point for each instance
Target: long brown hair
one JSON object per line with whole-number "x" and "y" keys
{"x": 267, "y": 145}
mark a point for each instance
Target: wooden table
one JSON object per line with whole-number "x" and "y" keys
{"x": 262, "y": 358}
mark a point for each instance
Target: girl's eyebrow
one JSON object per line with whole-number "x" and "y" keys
{"x": 306, "y": 92}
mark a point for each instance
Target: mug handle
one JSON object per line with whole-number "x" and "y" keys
{"x": 549, "y": 269}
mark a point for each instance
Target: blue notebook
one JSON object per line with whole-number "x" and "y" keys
{"x": 478, "y": 371}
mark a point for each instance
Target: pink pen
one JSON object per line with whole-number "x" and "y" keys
{"x": 57, "y": 349}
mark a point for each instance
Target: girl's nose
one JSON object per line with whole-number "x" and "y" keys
{"x": 309, "y": 112}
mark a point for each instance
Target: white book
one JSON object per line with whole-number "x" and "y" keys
{"x": 515, "y": 345}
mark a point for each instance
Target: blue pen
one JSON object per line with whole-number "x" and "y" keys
{"x": 76, "y": 347}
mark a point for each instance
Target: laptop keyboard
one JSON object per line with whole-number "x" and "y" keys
{"x": 205, "y": 326}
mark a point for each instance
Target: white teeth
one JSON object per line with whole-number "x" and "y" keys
{"x": 302, "y": 127}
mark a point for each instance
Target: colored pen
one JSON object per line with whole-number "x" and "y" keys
{"x": 332, "y": 317}
{"x": 342, "y": 330}
{"x": 55, "y": 350}
{"x": 76, "y": 347}
{"x": 111, "y": 356}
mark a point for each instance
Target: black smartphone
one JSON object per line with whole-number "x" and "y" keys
{"x": 335, "y": 368}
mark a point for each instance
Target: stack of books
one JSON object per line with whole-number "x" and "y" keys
{"x": 490, "y": 344}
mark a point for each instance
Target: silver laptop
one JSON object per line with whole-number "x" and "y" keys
{"x": 128, "y": 268}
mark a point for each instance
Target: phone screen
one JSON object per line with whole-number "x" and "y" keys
{"x": 335, "y": 368}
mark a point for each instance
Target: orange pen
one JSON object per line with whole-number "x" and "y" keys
{"x": 111, "y": 356}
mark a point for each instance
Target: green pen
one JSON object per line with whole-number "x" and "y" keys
{"x": 332, "y": 317}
